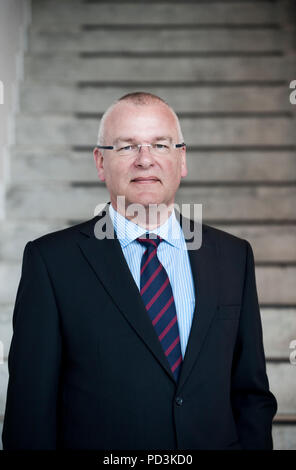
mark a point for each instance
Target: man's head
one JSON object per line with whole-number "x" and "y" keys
{"x": 141, "y": 118}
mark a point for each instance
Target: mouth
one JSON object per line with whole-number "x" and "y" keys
{"x": 148, "y": 180}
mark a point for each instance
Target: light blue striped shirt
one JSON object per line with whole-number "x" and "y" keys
{"x": 173, "y": 255}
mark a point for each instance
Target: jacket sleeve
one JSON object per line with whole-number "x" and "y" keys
{"x": 30, "y": 419}
{"x": 254, "y": 406}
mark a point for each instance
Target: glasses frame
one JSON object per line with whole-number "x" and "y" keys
{"x": 112, "y": 147}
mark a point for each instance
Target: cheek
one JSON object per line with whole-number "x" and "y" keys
{"x": 118, "y": 175}
{"x": 172, "y": 171}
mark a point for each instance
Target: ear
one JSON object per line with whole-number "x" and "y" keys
{"x": 99, "y": 162}
{"x": 184, "y": 170}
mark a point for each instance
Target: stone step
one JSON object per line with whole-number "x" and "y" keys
{"x": 55, "y": 200}
{"x": 155, "y": 13}
{"x": 72, "y": 68}
{"x": 279, "y": 329}
{"x": 260, "y": 203}
{"x": 282, "y": 381}
{"x": 3, "y": 387}
{"x": 43, "y": 202}
{"x": 164, "y": 40}
{"x": 276, "y": 284}
{"x": 54, "y": 98}
{"x": 14, "y": 234}
{"x": 209, "y": 132}
{"x": 9, "y": 279}
{"x": 6, "y": 314}
{"x": 2, "y": 197}
{"x": 284, "y": 436}
{"x": 271, "y": 243}
{"x": 63, "y": 164}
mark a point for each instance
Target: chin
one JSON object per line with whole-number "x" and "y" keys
{"x": 145, "y": 201}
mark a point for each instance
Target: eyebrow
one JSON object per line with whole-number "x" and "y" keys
{"x": 132, "y": 140}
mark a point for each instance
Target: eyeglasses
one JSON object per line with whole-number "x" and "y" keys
{"x": 133, "y": 149}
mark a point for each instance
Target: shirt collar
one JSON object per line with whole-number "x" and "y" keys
{"x": 127, "y": 231}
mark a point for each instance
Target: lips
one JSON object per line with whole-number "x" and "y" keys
{"x": 142, "y": 179}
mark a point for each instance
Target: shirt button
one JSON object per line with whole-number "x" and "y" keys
{"x": 179, "y": 401}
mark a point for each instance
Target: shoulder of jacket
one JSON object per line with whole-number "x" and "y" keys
{"x": 224, "y": 238}
{"x": 63, "y": 236}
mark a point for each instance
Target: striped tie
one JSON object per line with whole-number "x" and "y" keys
{"x": 157, "y": 294}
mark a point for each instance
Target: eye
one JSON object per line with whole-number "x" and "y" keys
{"x": 126, "y": 148}
{"x": 161, "y": 146}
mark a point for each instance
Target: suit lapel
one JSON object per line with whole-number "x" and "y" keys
{"x": 108, "y": 262}
{"x": 204, "y": 267}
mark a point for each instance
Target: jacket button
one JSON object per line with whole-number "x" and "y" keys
{"x": 179, "y": 401}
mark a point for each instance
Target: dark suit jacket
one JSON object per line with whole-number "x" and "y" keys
{"x": 87, "y": 370}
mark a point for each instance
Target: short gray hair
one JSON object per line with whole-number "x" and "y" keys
{"x": 138, "y": 98}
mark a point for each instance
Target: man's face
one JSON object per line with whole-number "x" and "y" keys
{"x": 128, "y": 176}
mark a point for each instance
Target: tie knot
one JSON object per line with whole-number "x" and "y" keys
{"x": 150, "y": 240}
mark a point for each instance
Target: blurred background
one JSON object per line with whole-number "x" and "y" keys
{"x": 224, "y": 66}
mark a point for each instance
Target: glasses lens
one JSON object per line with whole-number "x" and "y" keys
{"x": 160, "y": 149}
{"x": 155, "y": 149}
{"x": 128, "y": 150}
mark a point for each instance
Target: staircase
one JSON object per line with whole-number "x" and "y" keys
{"x": 225, "y": 67}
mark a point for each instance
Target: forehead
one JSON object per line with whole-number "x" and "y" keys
{"x": 141, "y": 121}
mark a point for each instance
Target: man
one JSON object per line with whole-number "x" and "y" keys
{"x": 134, "y": 341}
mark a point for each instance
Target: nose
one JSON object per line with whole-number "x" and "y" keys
{"x": 144, "y": 157}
